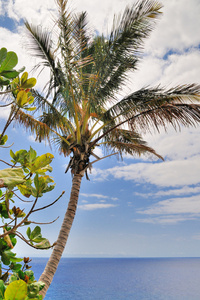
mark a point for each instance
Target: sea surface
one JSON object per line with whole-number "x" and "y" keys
{"x": 123, "y": 278}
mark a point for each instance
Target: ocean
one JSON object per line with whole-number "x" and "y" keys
{"x": 123, "y": 278}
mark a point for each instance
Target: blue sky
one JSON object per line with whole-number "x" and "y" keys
{"x": 135, "y": 207}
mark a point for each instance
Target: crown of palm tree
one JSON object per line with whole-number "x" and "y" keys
{"x": 80, "y": 107}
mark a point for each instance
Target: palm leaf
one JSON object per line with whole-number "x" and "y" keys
{"x": 114, "y": 57}
{"x": 127, "y": 142}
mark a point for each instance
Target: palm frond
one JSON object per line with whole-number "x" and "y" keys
{"x": 127, "y": 142}
{"x": 41, "y": 44}
{"x": 120, "y": 53}
{"x": 41, "y": 130}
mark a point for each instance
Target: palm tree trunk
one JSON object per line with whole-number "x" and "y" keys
{"x": 52, "y": 264}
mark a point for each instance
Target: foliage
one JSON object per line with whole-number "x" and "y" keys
{"x": 26, "y": 177}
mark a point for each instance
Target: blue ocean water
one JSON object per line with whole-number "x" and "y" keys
{"x": 123, "y": 278}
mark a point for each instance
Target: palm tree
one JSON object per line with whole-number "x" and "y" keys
{"x": 80, "y": 105}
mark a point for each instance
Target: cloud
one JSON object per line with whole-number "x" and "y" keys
{"x": 186, "y": 190}
{"x": 96, "y": 206}
{"x": 185, "y": 205}
{"x": 169, "y": 220}
{"x": 94, "y": 195}
{"x": 164, "y": 174}
{"x": 171, "y": 211}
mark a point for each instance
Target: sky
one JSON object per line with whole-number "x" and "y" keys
{"x": 136, "y": 207}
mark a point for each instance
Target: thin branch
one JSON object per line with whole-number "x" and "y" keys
{"x": 7, "y": 146}
{"x": 49, "y": 204}
{"x": 21, "y": 198}
{"x": 6, "y": 163}
{"x": 44, "y": 223}
{"x": 25, "y": 240}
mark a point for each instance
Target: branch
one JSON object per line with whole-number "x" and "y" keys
{"x": 7, "y": 146}
{"x": 45, "y": 223}
{"x": 6, "y": 162}
{"x": 49, "y": 204}
{"x": 21, "y": 198}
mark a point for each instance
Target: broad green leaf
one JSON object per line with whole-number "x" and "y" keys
{"x": 6, "y": 256}
{"x": 12, "y": 177}
{"x": 4, "y": 81}
{"x": 24, "y": 77}
{"x": 17, "y": 290}
{"x": 44, "y": 244}
{"x": 42, "y": 161}
{"x": 2, "y": 289}
{"x": 29, "y": 83}
{"x": 13, "y": 278}
{"x": 15, "y": 259}
{"x": 36, "y": 231}
{"x": 9, "y": 62}
{"x": 16, "y": 267}
{"x": 3, "y": 53}
{"x": 34, "y": 289}
{"x": 32, "y": 154}
{"x": 1, "y": 193}
{"x": 24, "y": 190}
{"x": 22, "y": 98}
{"x": 10, "y": 74}
{"x": 30, "y": 274}
{"x": 21, "y": 274}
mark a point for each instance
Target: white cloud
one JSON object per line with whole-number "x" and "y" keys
{"x": 168, "y": 173}
{"x": 186, "y": 190}
{"x": 169, "y": 220}
{"x": 94, "y": 195}
{"x": 177, "y": 28}
{"x": 185, "y": 205}
{"x": 96, "y": 206}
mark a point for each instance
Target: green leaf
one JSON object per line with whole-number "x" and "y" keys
{"x": 44, "y": 244}
{"x": 4, "y": 140}
{"x": 21, "y": 274}
{"x": 6, "y": 256}
{"x": 22, "y": 98}
{"x": 2, "y": 289}
{"x": 41, "y": 161}
{"x": 4, "y": 81}
{"x": 24, "y": 190}
{"x": 35, "y": 233}
{"x": 9, "y": 62}
{"x": 32, "y": 154}
{"x": 34, "y": 289}
{"x": 13, "y": 278}
{"x": 17, "y": 290}
{"x": 29, "y": 83}
{"x": 1, "y": 193}
{"x": 15, "y": 259}
{"x": 16, "y": 267}
{"x": 3, "y": 54}
{"x": 12, "y": 177}
{"x": 12, "y": 154}
{"x": 30, "y": 274}
{"x": 24, "y": 77}
{"x": 28, "y": 232}
{"x": 10, "y": 74}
